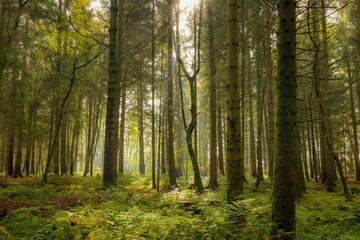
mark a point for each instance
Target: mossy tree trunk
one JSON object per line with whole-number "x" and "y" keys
{"x": 233, "y": 154}
{"x": 283, "y": 195}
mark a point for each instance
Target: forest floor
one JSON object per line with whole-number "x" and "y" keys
{"x": 79, "y": 208}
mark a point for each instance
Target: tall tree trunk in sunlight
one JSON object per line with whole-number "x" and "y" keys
{"x": 190, "y": 128}
{"x": 170, "y": 99}
{"x": 121, "y": 78}
{"x": 153, "y": 124}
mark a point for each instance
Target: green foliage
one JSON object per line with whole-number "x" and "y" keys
{"x": 27, "y": 223}
{"x": 79, "y": 208}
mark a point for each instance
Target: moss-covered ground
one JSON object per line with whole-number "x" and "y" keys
{"x": 79, "y": 208}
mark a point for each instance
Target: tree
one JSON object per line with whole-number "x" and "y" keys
{"x": 283, "y": 195}
{"x": 112, "y": 107}
{"x": 233, "y": 153}
{"x": 190, "y": 128}
{"x": 267, "y": 16}
{"x": 170, "y": 99}
{"x": 213, "y": 106}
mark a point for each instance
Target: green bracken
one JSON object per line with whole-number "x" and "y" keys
{"x": 79, "y": 208}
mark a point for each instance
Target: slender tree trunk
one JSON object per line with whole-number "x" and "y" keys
{"x": 170, "y": 100}
{"x": 268, "y": 22}
{"x": 252, "y": 127}
{"x": 75, "y": 138}
{"x": 304, "y": 151}
{"x": 313, "y": 145}
{"x": 260, "y": 109}
{"x": 353, "y": 120}
{"x": 140, "y": 101}
{"x": 309, "y": 140}
{"x": 3, "y": 154}
{"x": 251, "y": 114}
{"x": 18, "y": 159}
{"x": 242, "y": 17}
{"x": 283, "y": 195}
{"x": 153, "y": 125}
{"x": 121, "y": 75}
{"x": 63, "y": 153}
{"x": 56, "y": 156}
{"x": 234, "y": 161}
{"x": 122, "y": 131}
{"x": 213, "y": 153}
{"x": 89, "y": 137}
{"x": 300, "y": 185}
{"x": 112, "y": 107}
{"x": 220, "y": 142}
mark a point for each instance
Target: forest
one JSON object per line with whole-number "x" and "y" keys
{"x": 179, "y": 119}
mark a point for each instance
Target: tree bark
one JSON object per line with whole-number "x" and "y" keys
{"x": 283, "y": 195}
{"x": 140, "y": 100}
{"x": 213, "y": 141}
{"x": 353, "y": 121}
{"x": 268, "y": 22}
{"x": 234, "y": 161}
{"x": 170, "y": 100}
{"x": 112, "y": 107}
{"x": 220, "y": 141}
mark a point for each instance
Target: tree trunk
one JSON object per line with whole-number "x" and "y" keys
{"x": 268, "y": 22}
{"x": 121, "y": 76}
{"x": 252, "y": 127}
{"x": 56, "y": 156}
{"x": 313, "y": 145}
{"x": 89, "y": 137}
{"x": 17, "y": 172}
{"x": 112, "y": 107}
{"x": 260, "y": 109}
{"x": 153, "y": 125}
{"x": 63, "y": 154}
{"x": 170, "y": 100}
{"x": 10, "y": 151}
{"x": 353, "y": 120}
{"x": 234, "y": 161}
{"x": 242, "y": 16}
{"x": 220, "y": 142}
{"x": 283, "y": 195}
{"x": 300, "y": 185}
{"x": 140, "y": 100}
{"x": 213, "y": 141}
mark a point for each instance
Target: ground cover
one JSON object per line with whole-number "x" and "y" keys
{"x": 79, "y": 208}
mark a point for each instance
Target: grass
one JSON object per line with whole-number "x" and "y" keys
{"x": 79, "y": 208}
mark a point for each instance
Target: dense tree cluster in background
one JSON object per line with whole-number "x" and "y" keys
{"x": 147, "y": 86}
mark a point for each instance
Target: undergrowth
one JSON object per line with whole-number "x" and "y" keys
{"x": 79, "y": 208}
